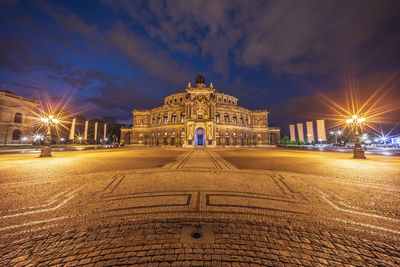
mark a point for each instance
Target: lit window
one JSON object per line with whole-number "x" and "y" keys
{"x": 226, "y": 118}
{"x": 183, "y": 117}
{"x": 217, "y": 120}
{"x": 173, "y": 119}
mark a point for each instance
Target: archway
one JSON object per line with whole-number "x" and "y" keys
{"x": 200, "y": 137}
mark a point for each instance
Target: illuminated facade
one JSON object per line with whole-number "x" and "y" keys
{"x": 200, "y": 116}
{"x": 16, "y": 118}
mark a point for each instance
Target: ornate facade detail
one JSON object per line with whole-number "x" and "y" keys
{"x": 200, "y": 116}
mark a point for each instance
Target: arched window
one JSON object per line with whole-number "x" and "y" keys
{"x": 173, "y": 118}
{"x": 182, "y": 117}
{"x": 241, "y": 120}
{"x": 158, "y": 119}
{"x": 165, "y": 118}
{"x": 234, "y": 119}
{"x": 217, "y": 118}
{"x": 18, "y": 118}
{"x": 226, "y": 118}
{"x": 16, "y": 135}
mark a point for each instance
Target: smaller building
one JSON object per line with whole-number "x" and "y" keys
{"x": 17, "y": 117}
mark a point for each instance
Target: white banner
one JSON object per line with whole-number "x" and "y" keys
{"x": 310, "y": 131}
{"x": 300, "y": 131}
{"x": 72, "y": 132}
{"x": 86, "y": 127}
{"x": 95, "y": 130}
{"x": 292, "y": 133}
{"x": 321, "y": 130}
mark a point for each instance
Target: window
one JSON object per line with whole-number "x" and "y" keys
{"x": 217, "y": 119}
{"x": 241, "y": 120}
{"x": 225, "y": 100}
{"x": 229, "y": 101}
{"x": 173, "y": 119}
{"x": 16, "y": 135}
{"x": 18, "y": 118}
{"x": 180, "y": 99}
{"x": 159, "y": 120}
{"x": 219, "y": 99}
{"x": 182, "y": 117}
{"x": 226, "y": 118}
{"x": 170, "y": 101}
{"x": 234, "y": 119}
{"x": 182, "y": 133}
{"x": 166, "y": 119}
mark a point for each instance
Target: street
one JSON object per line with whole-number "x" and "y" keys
{"x": 199, "y": 207}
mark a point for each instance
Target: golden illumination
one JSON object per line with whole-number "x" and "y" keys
{"x": 357, "y": 113}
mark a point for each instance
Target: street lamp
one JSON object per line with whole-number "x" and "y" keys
{"x": 355, "y": 122}
{"x": 48, "y": 122}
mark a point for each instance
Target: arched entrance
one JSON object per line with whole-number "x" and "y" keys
{"x": 200, "y": 137}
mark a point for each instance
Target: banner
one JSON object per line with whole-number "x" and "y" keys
{"x": 310, "y": 131}
{"x": 292, "y": 133}
{"x": 300, "y": 131}
{"x": 95, "y": 130}
{"x": 72, "y": 132}
{"x": 86, "y": 126}
{"x": 321, "y": 130}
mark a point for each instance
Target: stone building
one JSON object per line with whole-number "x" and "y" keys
{"x": 200, "y": 116}
{"x": 16, "y": 118}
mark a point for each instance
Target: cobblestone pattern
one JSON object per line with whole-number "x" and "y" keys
{"x": 157, "y": 243}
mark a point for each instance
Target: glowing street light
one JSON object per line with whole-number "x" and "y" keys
{"x": 336, "y": 134}
{"x": 355, "y": 122}
{"x": 48, "y": 122}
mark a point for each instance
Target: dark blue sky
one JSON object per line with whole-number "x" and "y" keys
{"x": 274, "y": 55}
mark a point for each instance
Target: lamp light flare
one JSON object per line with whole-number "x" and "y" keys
{"x": 366, "y": 112}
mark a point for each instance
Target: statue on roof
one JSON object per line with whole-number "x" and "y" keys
{"x": 200, "y": 79}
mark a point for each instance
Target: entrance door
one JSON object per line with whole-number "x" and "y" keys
{"x": 200, "y": 139}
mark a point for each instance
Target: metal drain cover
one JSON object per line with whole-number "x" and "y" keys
{"x": 197, "y": 234}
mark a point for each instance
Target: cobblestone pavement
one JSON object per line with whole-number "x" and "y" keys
{"x": 199, "y": 209}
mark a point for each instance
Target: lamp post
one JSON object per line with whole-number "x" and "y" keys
{"x": 48, "y": 122}
{"x": 355, "y": 122}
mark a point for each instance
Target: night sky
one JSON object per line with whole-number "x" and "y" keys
{"x": 114, "y": 56}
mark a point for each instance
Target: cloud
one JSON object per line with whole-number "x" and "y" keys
{"x": 313, "y": 37}
{"x": 143, "y": 53}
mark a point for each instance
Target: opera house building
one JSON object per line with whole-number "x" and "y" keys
{"x": 200, "y": 116}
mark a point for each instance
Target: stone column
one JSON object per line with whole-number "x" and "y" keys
{"x": 86, "y": 128}
{"x": 72, "y": 132}
{"x": 96, "y": 124}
